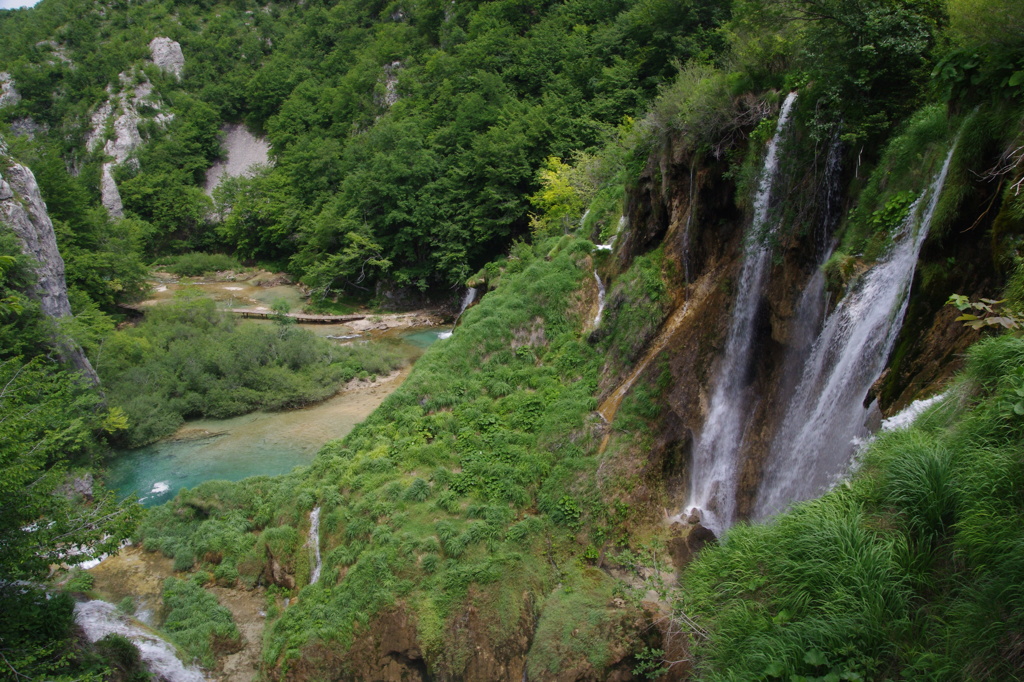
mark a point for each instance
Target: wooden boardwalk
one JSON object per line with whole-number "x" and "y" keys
{"x": 255, "y": 314}
{"x": 302, "y": 318}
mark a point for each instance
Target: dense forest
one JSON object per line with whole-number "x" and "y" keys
{"x": 609, "y": 174}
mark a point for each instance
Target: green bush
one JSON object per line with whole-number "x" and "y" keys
{"x": 196, "y": 264}
{"x": 196, "y": 622}
{"x": 189, "y": 360}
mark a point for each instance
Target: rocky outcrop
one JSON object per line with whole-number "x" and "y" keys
{"x": 244, "y": 153}
{"x": 8, "y": 95}
{"x": 166, "y": 54}
{"x": 115, "y": 126}
{"x": 22, "y": 210}
{"x": 389, "y": 97}
{"x": 27, "y": 127}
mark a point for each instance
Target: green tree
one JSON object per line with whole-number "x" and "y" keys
{"x": 50, "y": 421}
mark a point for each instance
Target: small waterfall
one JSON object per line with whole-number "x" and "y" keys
{"x": 99, "y": 619}
{"x": 813, "y": 446}
{"x": 600, "y": 299}
{"x": 467, "y": 301}
{"x": 715, "y": 465}
{"x": 687, "y": 274}
{"x": 314, "y": 544}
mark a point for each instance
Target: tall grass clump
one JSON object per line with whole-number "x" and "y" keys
{"x": 196, "y": 264}
{"x": 196, "y": 622}
{"x": 914, "y": 569}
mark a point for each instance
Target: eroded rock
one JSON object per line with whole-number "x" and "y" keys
{"x": 8, "y": 94}
{"x": 22, "y": 210}
{"x": 115, "y": 126}
{"x": 166, "y": 54}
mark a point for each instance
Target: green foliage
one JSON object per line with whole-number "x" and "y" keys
{"x": 635, "y": 307}
{"x": 196, "y": 264}
{"x": 196, "y": 622}
{"x": 423, "y": 190}
{"x": 910, "y": 160}
{"x": 123, "y": 658}
{"x": 187, "y": 359}
{"x": 574, "y": 627}
{"x": 50, "y": 421}
{"x": 37, "y": 631}
{"x": 436, "y": 495}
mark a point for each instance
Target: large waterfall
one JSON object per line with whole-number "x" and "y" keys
{"x": 826, "y": 413}
{"x": 716, "y": 454}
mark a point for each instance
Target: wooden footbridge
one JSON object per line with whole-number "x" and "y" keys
{"x": 302, "y": 318}
{"x": 263, "y": 314}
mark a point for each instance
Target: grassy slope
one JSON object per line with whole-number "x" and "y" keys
{"x": 473, "y": 483}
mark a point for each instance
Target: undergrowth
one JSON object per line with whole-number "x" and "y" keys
{"x": 187, "y": 360}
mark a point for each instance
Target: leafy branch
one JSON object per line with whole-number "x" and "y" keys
{"x": 986, "y": 313}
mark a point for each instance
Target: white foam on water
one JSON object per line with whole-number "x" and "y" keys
{"x": 99, "y": 619}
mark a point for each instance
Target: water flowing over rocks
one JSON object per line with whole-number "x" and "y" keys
{"x": 827, "y": 412}
{"x": 99, "y": 619}
{"x": 166, "y": 54}
{"x": 314, "y": 546}
{"x": 715, "y": 458}
{"x": 23, "y": 211}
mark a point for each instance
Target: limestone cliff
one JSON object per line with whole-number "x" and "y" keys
{"x": 115, "y": 123}
{"x": 23, "y": 211}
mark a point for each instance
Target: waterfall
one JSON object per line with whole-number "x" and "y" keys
{"x": 99, "y": 619}
{"x": 467, "y": 301}
{"x": 813, "y": 446}
{"x": 314, "y": 544}
{"x": 715, "y": 456}
{"x": 600, "y": 299}
{"x": 687, "y": 274}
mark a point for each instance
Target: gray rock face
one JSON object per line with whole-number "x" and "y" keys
{"x": 8, "y": 95}
{"x": 120, "y": 114}
{"x": 22, "y": 210}
{"x": 390, "y": 95}
{"x": 167, "y": 55}
{"x": 244, "y": 153}
{"x": 27, "y": 127}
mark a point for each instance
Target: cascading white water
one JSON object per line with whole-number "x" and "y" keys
{"x": 815, "y": 442}
{"x": 99, "y": 619}
{"x": 687, "y": 274}
{"x": 314, "y": 544}
{"x": 467, "y": 301}
{"x": 600, "y": 299}
{"x": 715, "y": 465}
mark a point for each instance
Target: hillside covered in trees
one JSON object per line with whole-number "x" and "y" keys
{"x": 717, "y": 243}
